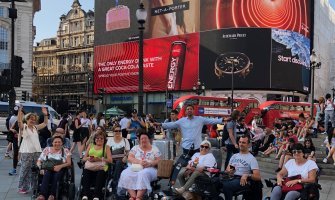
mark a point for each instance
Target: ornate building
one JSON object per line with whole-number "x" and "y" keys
{"x": 64, "y": 65}
{"x": 23, "y": 40}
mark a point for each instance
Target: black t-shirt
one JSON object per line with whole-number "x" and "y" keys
{"x": 62, "y": 123}
{"x": 309, "y": 150}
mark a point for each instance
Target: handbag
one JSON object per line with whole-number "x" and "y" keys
{"x": 118, "y": 151}
{"x": 50, "y": 163}
{"x": 136, "y": 167}
{"x": 296, "y": 187}
{"x": 94, "y": 166}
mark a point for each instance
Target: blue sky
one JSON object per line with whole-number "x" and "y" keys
{"x": 332, "y": 3}
{"x": 47, "y": 19}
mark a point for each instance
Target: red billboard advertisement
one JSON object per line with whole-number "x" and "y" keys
{"x": 170, "y": 63}
{"x": 293, "y": 15}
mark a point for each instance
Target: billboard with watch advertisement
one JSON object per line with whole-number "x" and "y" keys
{"x": 261, "y": 59}
{"x": 248, "y": 50}
{"x": 169, "y": 64}
{"x": 116, "y": 20}
{"x": 292, "y": 15}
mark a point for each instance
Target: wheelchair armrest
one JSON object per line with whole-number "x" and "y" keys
{"x": 270, "y": 182}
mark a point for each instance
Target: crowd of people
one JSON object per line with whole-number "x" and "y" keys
{"x": 136, "y": 159}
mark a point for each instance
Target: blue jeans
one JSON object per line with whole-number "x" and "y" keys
{"x": 276, "y": 194}
{"x": 231, "y": 150}
{"x": 329, "y": 116}
{"x": 50, "y": 177}
{"x": 229, "y": 187}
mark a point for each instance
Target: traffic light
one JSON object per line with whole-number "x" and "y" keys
{"x": 24, "y": 95}
{"x": 17, "y": 71}
{"x": 5, "y": 80}
{"x": 101, "y": 92}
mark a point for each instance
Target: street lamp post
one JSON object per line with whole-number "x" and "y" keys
{"x": 141, "y": 15}
{"x": 199, "y": 88}
{"x": 315, "y": 64}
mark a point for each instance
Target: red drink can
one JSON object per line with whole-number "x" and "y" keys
{"x": 176, "y": 65}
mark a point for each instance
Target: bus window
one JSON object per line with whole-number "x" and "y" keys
{"x": 284, "y": 107}
{"x": 3, "y": 111}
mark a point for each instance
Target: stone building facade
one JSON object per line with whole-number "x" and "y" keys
{"x": 23, "y": 40}
{"x": 64, "y": 64}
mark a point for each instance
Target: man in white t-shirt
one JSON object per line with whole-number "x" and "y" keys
{"x": 244, "y": 167}
{"x": 124, "y": 123}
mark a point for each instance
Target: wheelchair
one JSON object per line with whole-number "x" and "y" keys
{"x": 311, "y": 191}
{"x": 106, "y": 190}
{"x": 65, "y": 186}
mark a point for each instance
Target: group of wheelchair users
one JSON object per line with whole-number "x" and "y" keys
{"x": 135, "y": 169}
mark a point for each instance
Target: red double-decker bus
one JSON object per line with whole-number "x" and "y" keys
{"x": 216, "y": 106}
{"x": 283, "y": 110}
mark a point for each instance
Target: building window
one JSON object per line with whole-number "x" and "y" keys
{"x": 3, "y": 12}
{"x": 4, "y": 53}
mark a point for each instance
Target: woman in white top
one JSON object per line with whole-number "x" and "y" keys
{"x": 119, "y": 148}
{"x": 30, "y": 147}
{"x": 85, "y": 129}
{"x": 329, "y": 111}
{"x": 196, "y": 166}
{"x": 297, "y": 166}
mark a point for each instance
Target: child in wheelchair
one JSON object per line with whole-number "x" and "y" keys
{"x": 52, "y": 163}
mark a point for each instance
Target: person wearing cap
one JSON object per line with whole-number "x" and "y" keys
{"x": 196, "y": 166}
{"x": 243, "y": 167}
{"x": 134, "y": 123}
{"x": 299, "y": 165}
{"x": 190, "y": 127}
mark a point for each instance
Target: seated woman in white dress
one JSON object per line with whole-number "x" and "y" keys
{"x": 142, "y": 159}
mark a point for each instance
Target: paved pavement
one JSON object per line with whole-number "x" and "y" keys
{"x": 8, "y": 184}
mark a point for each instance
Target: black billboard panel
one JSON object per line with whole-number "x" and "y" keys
{"x": 246, "y": 50}
{"x": 115, "y": 20}
{"x": 290, "y": 66}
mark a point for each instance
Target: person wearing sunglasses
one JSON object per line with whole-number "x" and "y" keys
{"x": 196, "y": 167}
{"x": 120, "y": 148}
{"x": 243, "y": 167}
{"x": 297, "y": 166}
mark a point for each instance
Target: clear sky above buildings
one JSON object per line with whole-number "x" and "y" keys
{"x": 332, "y": 3}
{"x": 47, "y": 19}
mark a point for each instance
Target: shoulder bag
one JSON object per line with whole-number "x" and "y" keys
{"x": 296, "y": 187}
{"x": 50, "y": 163}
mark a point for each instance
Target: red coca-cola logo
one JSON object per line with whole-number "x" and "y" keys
{"x": 176, "y": 51}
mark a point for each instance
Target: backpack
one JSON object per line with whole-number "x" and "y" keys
{"x": 225, "y": 133}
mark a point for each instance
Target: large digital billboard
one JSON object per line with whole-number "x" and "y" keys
{"x": 267, "y": 41}
{"x": 293, "y": 15}
{"x": 116, "y": 19}
{"x": 247, "y": 51}
{"x": 290, "y": 66}
{"x": 169, "y": 64}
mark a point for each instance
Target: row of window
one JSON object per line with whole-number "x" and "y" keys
{"x": 77, "y": 41}
{"x": 65, "y": 60}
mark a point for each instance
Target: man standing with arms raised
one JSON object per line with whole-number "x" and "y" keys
{"x": 190, "y": 127}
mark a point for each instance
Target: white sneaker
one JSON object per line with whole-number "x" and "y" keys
{"x": 96, "y": 198}
{"x": 325, "y": 160}
{"x": 84, "y": 198}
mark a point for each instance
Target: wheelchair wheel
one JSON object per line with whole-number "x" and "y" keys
{"x": 71, "y": 191}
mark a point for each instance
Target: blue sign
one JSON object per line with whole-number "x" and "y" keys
{"x": 201, "y": 110}
{"x": 169, "y": 103}
{"x": 121, "y": 98}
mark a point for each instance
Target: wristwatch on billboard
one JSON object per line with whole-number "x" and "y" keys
{"x": 232, "y": 62}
